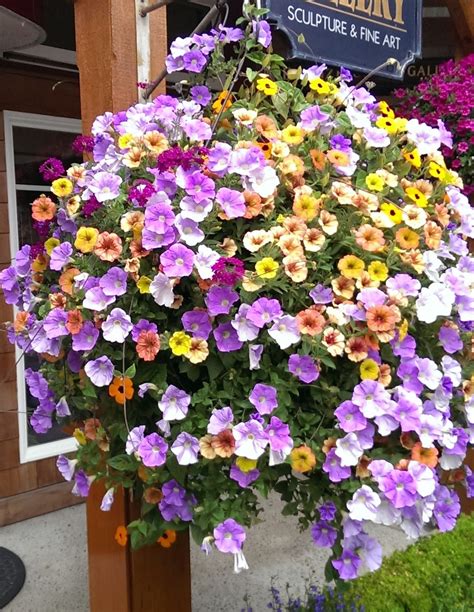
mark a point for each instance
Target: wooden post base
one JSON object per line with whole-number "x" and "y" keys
{"x": 153, "y": 579}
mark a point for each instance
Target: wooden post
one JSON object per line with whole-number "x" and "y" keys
{"x": 462, "y": 14}
{"x": 153, "y": 579}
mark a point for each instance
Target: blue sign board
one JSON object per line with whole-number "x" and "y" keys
{"x": 357, "y": 34}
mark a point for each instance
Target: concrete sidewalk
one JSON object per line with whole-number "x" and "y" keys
{"x": 53, "y": 548}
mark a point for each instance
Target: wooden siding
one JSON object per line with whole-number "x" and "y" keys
{"x": 33, "y": 488}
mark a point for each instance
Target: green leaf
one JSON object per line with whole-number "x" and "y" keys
{"x": 131, "y": 371}
{"x": 122, "y": 463}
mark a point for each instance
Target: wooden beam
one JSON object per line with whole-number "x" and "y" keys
{"x": 462, "y": 14}
{"x": 35, "y": 503}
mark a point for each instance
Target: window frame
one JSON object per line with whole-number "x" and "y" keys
{"x": 11, "y": 120}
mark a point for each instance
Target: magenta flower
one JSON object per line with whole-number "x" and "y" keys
{"x": 52, "y": 169}
{"x": 229, "y": 536}
{"x": 152, "y": 450}
{"x": 228, "y": 271}
{"x": 264, "y": 398}
{"x": 177, "y": 261}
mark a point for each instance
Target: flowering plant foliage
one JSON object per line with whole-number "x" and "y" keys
{"x": 449, "y": 95}
{"x": 255, "y": 291}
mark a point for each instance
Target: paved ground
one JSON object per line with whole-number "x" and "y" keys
{"x": 54, "y": 551}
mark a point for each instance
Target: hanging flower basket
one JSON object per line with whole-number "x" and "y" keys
{"x": 265, "y": 289}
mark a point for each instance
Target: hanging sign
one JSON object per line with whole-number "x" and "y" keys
{"x": 357, "y": 34}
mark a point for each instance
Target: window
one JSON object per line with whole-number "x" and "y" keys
{"x": 29, "y": 140}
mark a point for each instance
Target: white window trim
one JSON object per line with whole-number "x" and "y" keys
{"x": 58, "y": 124}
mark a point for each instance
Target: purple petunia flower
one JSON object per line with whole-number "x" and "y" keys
{"x": 54, "y": 324}
{"x": 321, "y": 294}
{"x": 197, "y": 323}
{"x": 304, "y": 368}
{"x": 250, "y": 439}
{"x": 87, "y": 337}
{"x": 347, "y": 565}
{"x": 226, "y": 338}
{"x": 219, "y": 300}
{"x": 201, "y": 95}
{"x": 323, "y": 534}
{"x": 100, "y": 371}
{"x": 185, "y": 448}
{"x": 334, "y": 469}
{"x": 229, "y": 536}
{"x": 350, "y": 417}
{"x": 114, "y": 282}
{"x": 399, "y": 488}
{"x": 152, "y": 450}
{"x": 174, "y": 404}
{"x": 312, "y": 117}
{"x": 176, "y": 502}
{"x": 220, "y": 420}
{"x": 104, "y": 186}
{"x": 143, "y": 325}
{"x": 450, "y": 339}
{"x": 264, "y": 398}
{"x": 117, "y": 326}
{"x": 244, "y": 479}
{"x": 60, "y": 256}
{"x": 66, "y": 467}
{"x": 327, "y": 511}
{"x": 232, "y": 202}
{"x": 262, "y": 31}
{"x": 177, "y": 261}
{"x": 199, "y": 186}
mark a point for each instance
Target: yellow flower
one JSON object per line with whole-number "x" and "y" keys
{"x": 292, "y": 135}
{"x": 378, "y": 271}
{"x": 385, "y": 110}
{"x": 50, "y": 244}
{"x": 393, "y": 212}
{"x": 80, "y": 437}
{"x": 280, "y": 218}
{"x": 125, "y": 141}
{"x": 302, "y": 459}
{"x": 374, "y": 182}
{"x": 351, "y": 266}
{"x": 413, "y": 157}
{"x": 369, "y": 370}
{"x": 306, "y": 207}
{"x": 180, "y": 343}
{"x": 246, "y": 465}
{"x": 143, "y": 284}
{"x": 86, "y": 238}
{"x": 61, "y": 187}
{"x": 437, "y": 171}
{"x": 321, "y": 86}
{"x": 267, "y": 86}
{"x": 266, "y": 267}
{"x": 417, "y": 196}
{"x": 388, "y": 124}
{"x": 403, "y": 330}
{"x": 39, "y": 264}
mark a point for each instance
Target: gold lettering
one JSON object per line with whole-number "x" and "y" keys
{"x": 363, "y": 7}
{"x": 350, "y": 4}
{"x": 379, "y": 6}
{"x": 399, "y": 12}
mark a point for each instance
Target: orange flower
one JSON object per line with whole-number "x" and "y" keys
{"x": 343, "y": 287}
{"x": 121, "y": 389}
{"x": 314, "y": 240}
{"x": 295, "y": 225}
{"x": 310, "y": 322}
{"x": 433, "y": 234}
{"x": 407, "y": 238}
{"x": 137, "y": 250}
{"x": 318, "y": 158}
{"x": 370, "y": 238}
{"x": 295, "y": 268}
{"x": 152, "y": 495}
{"x": 382, "y": 318}
{"x": 57, "y": 300}
{"x": 266, "y": 127}
{"x": 148, "y": 345}
{"x": 121, "y": 535}
{"x": 224, "y": 444}
{"x": 265, "y": 147}
{"x": 290, "y": 244}
{"x": 302, "y": 459}
{"x": 167, "y": 539}
{"x": 385, "y": 374}
{"x": 43, "y": 208}
{"x": 74, "y": 321}
{"x": 427, "y": 456}
{"x": 21, "y": 319}
{"x": 108, "y": 246}
{"x": 66, "y": 280}
{"x": 253, "y": 204}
